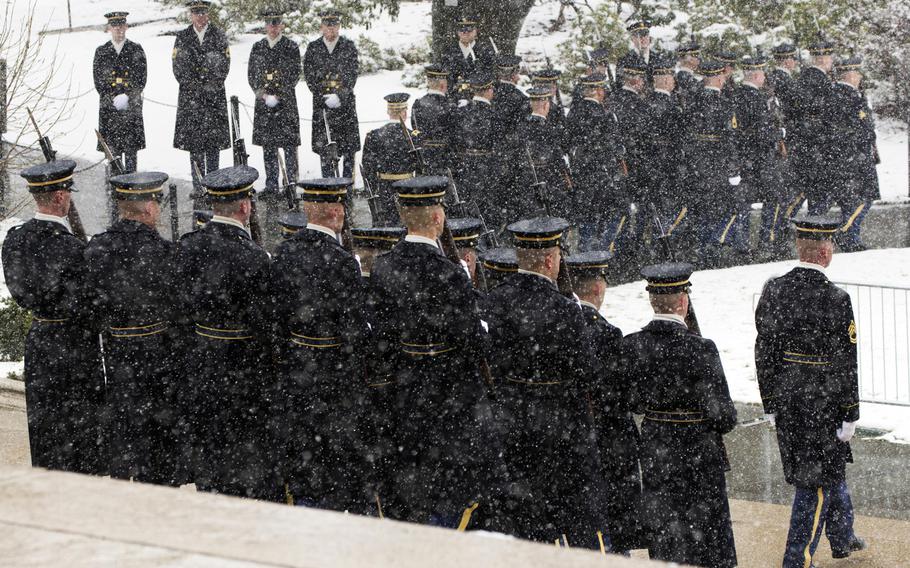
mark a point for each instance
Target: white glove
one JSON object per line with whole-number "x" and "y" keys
{"x": 121, "y": 102}
{"x": 734, "y": 181}
{"x": 485, "y": 325}
{"x": 771, "y": 418}
{"x": 846, "y": 431}
{"x": 577, "y": 299}
{"x": 359, "y": 264}
{"x": 466, "y": 269}
{"x": 462, "y": 103}
{"x": 783, "y": 132}
{"x": 271, "y": 101}
{"x": 332, "y": 101}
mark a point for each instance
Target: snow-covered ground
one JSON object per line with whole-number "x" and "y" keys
{"x": 74, "y": 135}
{"x": 724, "y": 301}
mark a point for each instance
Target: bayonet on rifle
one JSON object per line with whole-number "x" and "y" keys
{"x": 664, "y": 238}
{"x": 564, "y": 278}
{"x": 372, "y": 198}
{"x": 331, "y": 145}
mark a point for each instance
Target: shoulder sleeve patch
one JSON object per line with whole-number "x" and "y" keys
{"x": 733, "y": 122}
{"x": 851, "y": 331}
{"x": 862, "y": 114}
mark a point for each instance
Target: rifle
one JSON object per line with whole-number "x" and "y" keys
{"x": 290, "y": 189}
{"x": 175, "y": 219}
{"x": 50, "y": 155}
{"x": 463, "y": 211}
{"x": 372, "y": 198}
{"x": 113, "y": 162}
{"x": 240, "y": 158}
{"x": 779, "y": 119}
{"x": 330, "y": 144}
{"x": 664, "y": 238}
{"x": 564, "y": 278}
{"x": 493, "y": 44}
{"x": 421, "y": 165}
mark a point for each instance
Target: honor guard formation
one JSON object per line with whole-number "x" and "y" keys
{"x": 449, "y": 364}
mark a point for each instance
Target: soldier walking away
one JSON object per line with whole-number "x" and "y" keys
{"x": 465, "y": 58}
{"x": 224, "y": 298}
{"x": 687, "y": 84}
{"x": 475, "y": 139}
{"x": 466, "y": 233}
{"x": 806, "y": 359}
{"x": 785, "y": 103}
{"x": 541, "y": 138}
{"x": 541, "y": 357}
{"x": 429, "y": 336}
{"x": 130, "y": 285}
{"x": 371, "y": 242}
{"x": 330, "y": 68}
{"x": 711, "y": 126}
{"x": 273, "y": 75}
{"x": 639, "y": 54}
{"x": 677, "y": 382}
{"x": 617, "y": 434}
{"x": 816, "y": 100}
{"x": 599, "y": 207}
{"x": 387, "y": 158}
{"x": 64, "y": 385}
{"x": 499, "y": 263}
{"x": 758, "y": 141}
{"x": 556, "y": 117}
{"x": 120, "y": 72}
{"x": 432, "y": 118}
{"x": 510, "y": 108}
{"x": 201, "y": 60}
{"x": 322, "y": 335}
{"x": 854, "y": 145}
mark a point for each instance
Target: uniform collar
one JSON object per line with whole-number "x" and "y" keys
{"x": 715, "y": 89}
{"x": 593, "y": 100}
{"x": 321, "y": 229}
{"x": 785, "y": 70}
{"x": 538, "y": 274}
{"x": 685, "y": 70}
{"x": 272, "y": 42}
{"x": 671, "y": 318}
{"x": 421, "y": 240}
{"x": 819, "y": 68}
{"x": 118, "y": 47}
{"x": 811, "y": 266}
{"x": 435, "y": 92}
{"x": 631, "y": 90}
{"x": 663, "y": 92}
{"x": 330, "y": 45}
{"x": 507, "y": 82}
{"x": 481, "y": 100}
{"x": 54, "y": 219}
{"x": 589, "y": 304}
{"x": 748, "y": 84}
{"x": 200, "y": 34}
{"x": 847, "y": 84}
{"x": 230, "y": 221}
{"x": 539, "y": 115}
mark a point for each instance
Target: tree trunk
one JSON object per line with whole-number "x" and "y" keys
{"x": 502, "y": 20}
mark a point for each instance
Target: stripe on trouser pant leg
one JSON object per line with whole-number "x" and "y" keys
{"x": 774, "y": 221}
{"x": 466, "y": 517}
{"x": 723, "y": 236}
{"x": 807, "y": 555}
{"x": 852, "y": 218}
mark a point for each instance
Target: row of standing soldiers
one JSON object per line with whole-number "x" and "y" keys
{"x": 392, "y": 388}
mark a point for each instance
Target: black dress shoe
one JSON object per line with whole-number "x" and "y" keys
{"x": 856, "y": 545}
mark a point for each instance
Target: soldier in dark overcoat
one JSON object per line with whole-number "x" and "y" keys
{"x": 322, "y": 335}
{"x": 758, "y": 143}
{"x": 387, "y": 158}
{"x": 631, "y": 109}
{"x": 330, "y": 68}
{"x": 806, "y": 361}
{"x": 465, "y": 57}
{"x": 130, "y": 283}
{"x": 640, "y": 53}
{"x": 432, "y": 118}
{"x": 598, "y": 205}
{"x": 784, "y": 105}
{"x": 475, "y": 140}
{"x": 677, "y": 382}
{"x": 120, "y": 72}
{"x": 499, "y": 263}
{"x": 814, "y": 160}
{"x": 541, "y": 357}
{"x": 64, "y": 386}
{"x": 855, "y": 175}
{"x": 687, "y": 84}
{"x": 542, "y": 151}
{"x": 664, "y": 149}
{"x": 710, "y": 138}
{"x": 201, "y": 61}
{"x": 510, "y": 108}
{"x": 556, "y": 116}
{"x": 429, "y": 336}
{"x": 224, "y": 298}
{"x": 617, "y": 435}
{"x": 273, "y": 74}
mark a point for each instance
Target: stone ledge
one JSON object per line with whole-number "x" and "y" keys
{"x": 46, "y": 516}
